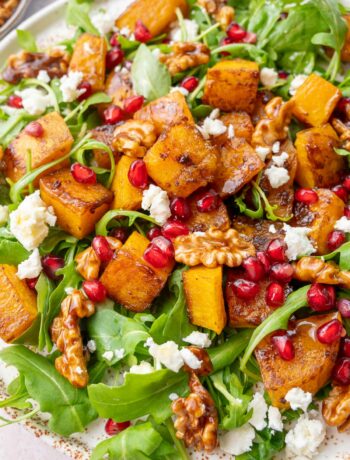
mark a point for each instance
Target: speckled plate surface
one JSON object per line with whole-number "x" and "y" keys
{"x": 49, "y": 27}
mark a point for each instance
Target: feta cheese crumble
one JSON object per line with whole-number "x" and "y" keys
{"x": 173, "y": 396}
{"x": 167, "y": 353}
{"x": 276, "y": 147}
{"x": 143, "y": 368}
{"x": 30, "y": 222}
{"x": 296, "y": 83}
{"x": 279, "y": 160}
{"x": 191, "y": 28}
{"x": 231, "y": 131}
{"x": 190, "y": 359}
{"x": 103, "y": 21}
{"x": 69, "y": 86}
{"x": 305, "y": 438}
{"x": 91, "y": 346}
{"x": 200, "y": 339}
{"x": 181, "y": 90}
{"x": 108, "y": 355}
{"x": 119, "y": 353}
{"x": 275, "y": 419}
{"x": 259, "y": 406}
{"x": 238, "y": 441}
{"x": 343, "y": 224}
{"x": 272, "y": 229}
{"x": 297, "y": 241}
{"x": 156, "y": 201}
{"x": 43, "y": 76}
{"x": 277, "y": 176}
{"x": 298, "y": 399}
{"x": 212, "y": 127}
{"x": 4, "y": 214}
{"x": 268, "y": 77}
{"x": 262, "y": 152}
{"x": 30, "y": 268}
{"x": 35, "y": 101}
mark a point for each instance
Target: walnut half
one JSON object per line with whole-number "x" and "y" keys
{"x": 185, "y": 55}
{"x": 336, "y": 408}
{"x": 314, "y": 270}
{"x": 134, "y": 137}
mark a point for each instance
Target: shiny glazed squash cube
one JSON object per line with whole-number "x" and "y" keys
{"x": 119, "y": 87}
{"x": 202, "y": 221}
{"x": 126, "y": 196}
{"x": 345, "y": 54}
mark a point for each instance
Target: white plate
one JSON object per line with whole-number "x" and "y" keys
{"x": 49, "y": 27}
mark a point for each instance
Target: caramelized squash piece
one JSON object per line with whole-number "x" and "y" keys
{"x": 258, "y": 231}
{"x": 202, "y": 221}
{"x": 345, "y": 54}
{"x": 78, "y": 207}
{"x": 126, "y": 196}
{"x": 181, "y": 161}
{"x": 56, "y": 142}
{"x": 130, "y": 280}
{"x": 232, "y": 85}
{"x": 311, "y": 367}
{"x": 205, "y": 300}
{"x": 241, "y": 124}
{"x": 318, "y": 164}
{"x": 315, "y": 101}
{"x": 156, "y": 15}
{"x": 119, "y": 87}
{"x": 89, "y": 58}
{"x": 105, "y": 134}
{"x": 18, "y": 308}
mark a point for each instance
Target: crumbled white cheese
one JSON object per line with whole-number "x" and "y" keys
{"x": 119, "y": 353}
{"x": 297, "y": 241}
{"x": 268, "y": 77}
{"x": 272, "y": 229}
{"x": 43, "y": 76}
{"x": 276, "y": 147}
{"x": 30, "y": 222}
{"x": 238, "y": 441}
{"x": 69, "y": 86}
{"x": 259, "y": 406}
{"x": 212, "y": 127}
{"x": 191, "y": 30}
{"x": 156, "y": 201}
{"x": 30, "y": 268}
{"x": 200, "y": 339}
{"x": 167, "y": 353}
{"x": 173, "y": 396}
{"x": 103, "y": 21}
{"x": 296, "y": 83}
{"x": 298, "y": 399}
{"x": 79, "y": 370}
{"x": 87, "y": 48}
{"x": 35, "y": 101}
{"x": 69, "y": 290}
{"x": 4, "y": 214}
{"x": 343, "y": 224}
{"x": 279, "y": 160}
{"x": 108, "y": 355}
{"x": 275, "y": 419}
{"x": 190, "y": 359}
{"x": 143, "y": 368}
{"x": 262, "y": 152}
{"x": 214, "y": 114}
{"x": 277, "y": 176}
{"x": 305, "y": 438}
{"x": 91, "y": 346}
{"x": 231, "y": 131}
{"x": 180, "y": 89}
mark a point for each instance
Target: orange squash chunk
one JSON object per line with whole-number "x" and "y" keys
{"x": 345, "y": 54}
{"x": 126, "y": 196}
{"x": 202, "y": 221}
{"x": 105, "y": 134}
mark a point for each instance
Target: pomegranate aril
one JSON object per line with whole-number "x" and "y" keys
{"x": 133, "y": 103}
{"x": 276, "y": 251}
{"x": 153, "y": 233}
{"x": 86, "y": 86}
{"x": 283, "y": 75}
{"x": 174, "y": 228}
{"x": 245, "y": 289}
{"x": 142, "y": 34}
{"x": 250, "y": 37}
{"x": 224, "y": 42}
{"x": 208, "y": 201}
{"x": 114, "y": 40}
{"x": 341, "y": 371}
{"x": 236, "y": 33}
{"x": 31, "y": 282}
{"x": 275, "y": 295}
{"x": 190, "y": 83}
{"x": 341, "y": 192}
{"x": 95, "y": 290}
{"x": 34, "y": 129}
{"x": 306, "y": 196}
{"x": 330, "y": 332}
{"x": 102, "y": 248}
{"x": 255, "y": 270}
{"x": 160, "y": 252}
{"x": 346, "y": 183}
{"x": 335, "y": 239}
{"x": 137, "y": 174}
{"x": 120, "y": 233}
{"x": 83, "y": 174}
{"x": 114, "y": 57}
{"x": 345, "y": 347}
{"x": 180, "y": 209}
{"x": 112, "y": 428}
{"x": 347, "y": 211}
{"x": 282, "y": 272}
{"x": 343, "y": 105}
{"x": 51, "y": 264}
{"x": 262, "y": 256}
{"x": 15, "y": 101}
{"x": 343, "y": 306}
{"x": 284, "y": 346}
{"x": 321, "y": 297}
{"x": 113, "y": 114}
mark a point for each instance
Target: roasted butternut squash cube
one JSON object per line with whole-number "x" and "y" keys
{"x": 202, "y": 221}
{"x": 55, "y": 143}
{"x": 345, "y": 54}
{"x": 242, "y": 126}
{"x": 318, "y": 164}
{"x": 18, "y": 308}
{"x": 258, "y": 231}
{"x": 315, "y": 100}
{"x": 205, "y": 300}
{"x": 130, "y": 280}
{"x": 311, "y": 368}
{"x": 105, "y": 134}
{"x": 320, "y": 217}
{"x": 78, "y": 207}
{"x": 181, "y": 161}
{"x": 119, "y": 87}
{"x": 165, "y": 111}
{"x": 238, "y": 164}
{"x": 89, "y": 58}
{"x": 156, "y": 15}
{"x": 126, "y": 196}
{"x": 232, "y": 85}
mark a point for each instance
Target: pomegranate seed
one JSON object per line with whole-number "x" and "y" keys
{"x": 321, "y": 297}
{"x": 133, "y": 103}
{"x": 112, "y": 428}
{"x": 114, "y": 57}
{"x": 120, "y": 233}
{"x": 330, "y": 332}
{"x": 284, "y": 346}
{"x": 88, "y": 90}
{"x": 31, "y": 282}
{"x": 225, "y": 41}
{"x": 95, "y": 290}
{"x": 250, "y": 37}
{"x": 51, "y": 264}
{"x": 174, "y": 228}
{"x": 275, "y": 296}
{"x": 83, "y": 174}
{"x": 345, "y": 347}
{"x": 255, "y": 270}
{"x": 341, "y": 371}
{"x": 343, "y": 306}
{"x": 347, "y": 211}
{"x": 208, "y": 201}
{"x": 142, "y": 34}
{"x": 114, "y": 40}
{"x": 283, "y": 75}
{"x": 113, "y": 114}
{"x": 335, "y": 239}
{"x": 276, "y": 251}
{"x": 346, "y": 183}
{"x": 137, "y": 174}
{"x": 15, "y": 101}
{"x": 159, "y": 252}
{"x": 236, "y": 33}
{"x": 264, "y": 260}
{"x": 245, "y": 289}
{"x": 306, "y": 196}
{"x": 190, "y": 83}
{"x": 180, "y": 209}
{"x": 341, "y": 192}
{"x": 34, "y": 129}
{"x": 343, "y": 104}
{"x": 282, "y": 272}
{"x": 153, "y": 233}
{"x": 102, "y": 248}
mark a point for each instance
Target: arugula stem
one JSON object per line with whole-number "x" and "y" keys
{"x": 178, "y": 444}
{"x": 18, "y": 419}
{"x": 35, "y": 82}
{"x": 180, "y": 18}
{"x": 198, "y": 89}
{"x": 206, "y": 32}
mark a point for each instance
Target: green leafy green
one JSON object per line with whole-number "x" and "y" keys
{"x": 342, "y": 255}
{"x": 12, "y": 252}
{"x": 26, "y": 40}
{"x": 226, "y": 353}
{"x": 54, "y": 238}
{"x": 267, "y": 444}
{"x": 44, "y": 287}
{"x": 102, "y": 225}
{"x": 77, "y": 14}
{"x": 18, "y": 395}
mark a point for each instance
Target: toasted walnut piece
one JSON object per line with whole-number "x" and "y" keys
{"x": 275, "y": 126}
{"x": 313, "y": 270}
{"x": 88, "y": 264}
{"x": 184, "y": 56}
{"x": 336, "y": 407}
{"x": 197, "y": 418}
{"x": 212, "y": 248}
{"x": 343, "y": 131}
{"x": 209, "y": 5}
{"x": 65, "y": 332}
{"x": 202, "y": 354}
{"x": 225, "y": 16}
{"x": 134, "y": 137}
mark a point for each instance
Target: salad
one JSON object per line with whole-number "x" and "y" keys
{"x": 174, "y": 239}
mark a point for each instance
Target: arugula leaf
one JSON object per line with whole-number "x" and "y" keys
{"x": 101, "y": 226}
{"x": 344, "y": 256}
{"x": 12, "y": 252}
{"x": 267, "y": 444}
{"x": 26, "y": 40}
{"x": 54, "y": 238}
{"x": 44, "y": 288}
{"x": 140, "y": 395}
{"x": 77, "y": 14}
{"x": 68, "y": 406}
{"x": 19, "y": 396}
{"x": 150, "y": 77}
{"x": 256, "y": 213}
{"x": 225, "y": 354}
